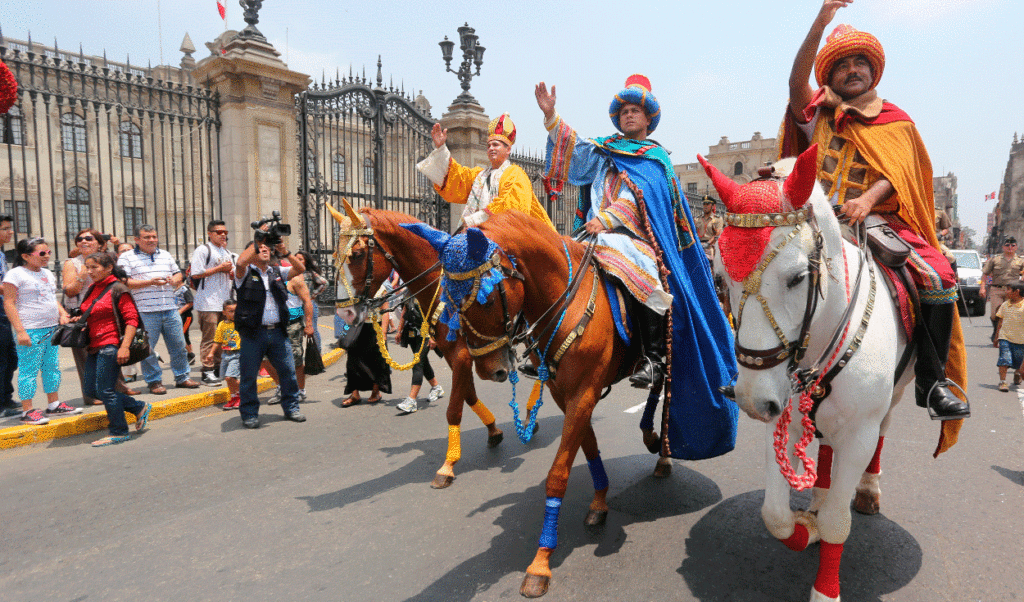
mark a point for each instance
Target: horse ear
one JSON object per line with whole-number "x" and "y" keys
{"x": 803, "y": 178}
{"x": 477, "y": 245}
{"x": 351, "y": 212}
{"x": 725, "y": 186}
{"x": 436, "y": 238}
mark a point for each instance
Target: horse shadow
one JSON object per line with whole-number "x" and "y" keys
{"x": 1014, "y": 476}
{"x": 476, "y": 456}
{"x": 646, "y": 499}
{"x": 730, "y": 555}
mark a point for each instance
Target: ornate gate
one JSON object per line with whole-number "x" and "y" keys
{"x": 362, "y": 143}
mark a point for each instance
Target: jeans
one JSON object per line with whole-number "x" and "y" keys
{"x": 101, "y": 375}
{"x": 273, "y": 344}
{"x": 8, "y": 361}
{"x": 1010, "y": 354}
{"x": 39, "y": 356}
{"x": 168, "y": 323}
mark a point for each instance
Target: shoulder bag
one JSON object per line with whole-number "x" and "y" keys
{"x": 138, "y": 349}
{"x": 76, "y": 334}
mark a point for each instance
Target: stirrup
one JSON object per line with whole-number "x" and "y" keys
{"x": 529, "y": 371}
{"x": 936, "y": 416}
{"x": 649, "y": 375}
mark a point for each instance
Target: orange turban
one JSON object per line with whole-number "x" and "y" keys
{"x": 846, "y": 41}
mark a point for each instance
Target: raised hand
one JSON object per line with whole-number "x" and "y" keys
{"x": 439, "y": 135}
{"x": 828, "y": 10}
{"x": 545, "y": 101}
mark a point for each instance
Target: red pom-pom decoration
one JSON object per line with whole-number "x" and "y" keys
{"x": 8, "y": 89}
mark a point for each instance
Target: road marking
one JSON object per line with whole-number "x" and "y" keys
{"x": 635, "y": 409}
{"x": 1020, "y": 398}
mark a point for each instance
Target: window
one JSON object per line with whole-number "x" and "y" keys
{"x": 367, "y": 171}
{"x": 338, "y": 167}
{"x": 72, "y": 128}
{"x": 737, "y": 170}
{"x": 691, "y": 187}
{"x": 19, "y": 211}
{"x": 79, "y": 214}
{"x": 131, "y": 140}
{"x": 133, "y": 217}
{"x": 744, "y": 145}
{"x": 12, "y": 127}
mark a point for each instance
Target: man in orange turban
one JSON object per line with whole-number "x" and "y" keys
{"x": 874, "y": 162}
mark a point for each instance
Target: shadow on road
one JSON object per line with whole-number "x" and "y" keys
{"x": 731, "y": 556}
{"x": 1014, "y": 476}
{"x": 645, "y": 499}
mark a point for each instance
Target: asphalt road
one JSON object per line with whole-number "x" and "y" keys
{"x": 340, "y": 508}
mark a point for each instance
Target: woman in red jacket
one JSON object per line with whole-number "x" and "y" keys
{"x": 108, "y": 347}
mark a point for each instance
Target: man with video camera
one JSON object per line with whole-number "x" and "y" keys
{"x": 261, "y": 318}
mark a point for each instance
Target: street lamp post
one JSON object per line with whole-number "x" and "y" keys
{"x": 472, "y": 54}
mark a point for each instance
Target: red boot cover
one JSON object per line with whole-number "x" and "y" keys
{"x": 798, "y": 540}
{"x": 875, "y": 467}
{"x": 827, "y": 582}
{"x": 824, "y": 480}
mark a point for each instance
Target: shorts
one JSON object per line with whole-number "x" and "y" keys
{"x": 296, "y": 330}
{"x": 230, "y": 364}
{"x": 1010, "y": 354}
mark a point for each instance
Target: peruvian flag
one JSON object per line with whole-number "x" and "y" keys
{"x": 990, "y": 196}
{"x": 222, "y": 9}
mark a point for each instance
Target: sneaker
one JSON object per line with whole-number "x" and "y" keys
{"x": 191, "y": 358}
{"x": 210, "y": 379}
{"x": 233, "y": 403}
{"x": 1016, "y": 378}
{"x": 435, "y": 393}
{"x": 302, "y": 395}
{"x": 11, "y": 410}
{"x": 408, "y": 406}
{"x": 34, "y": 417}
{"x": 1003, "y": 386}
{"x": 63, "y": 409}
{"x": 275, "y": 398}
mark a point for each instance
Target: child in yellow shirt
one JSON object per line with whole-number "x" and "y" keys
{"x": 231, "y": 345}
{"x": 1010, "y": 334}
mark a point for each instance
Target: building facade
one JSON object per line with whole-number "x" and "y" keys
{"x": 1009, "y": 212}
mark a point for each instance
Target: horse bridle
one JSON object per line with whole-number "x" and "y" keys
{"x": 511, "y": 326}
{"x": 763, "y": 359}
{"x": 366, "y": 297}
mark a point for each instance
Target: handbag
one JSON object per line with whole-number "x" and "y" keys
{"x": 138, "y": 348}
{"x": 76, "y": 334}
{"x": 314, "y": 362}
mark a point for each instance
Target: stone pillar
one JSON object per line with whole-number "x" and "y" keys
{"x": 467, "y": 141}
{"x": 258, "y": 144}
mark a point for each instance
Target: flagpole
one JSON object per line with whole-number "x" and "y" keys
{"x": 159, "y": 32}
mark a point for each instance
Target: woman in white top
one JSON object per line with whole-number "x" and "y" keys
{"x": 76, "y": 282}
{"x": 30, "y": 300}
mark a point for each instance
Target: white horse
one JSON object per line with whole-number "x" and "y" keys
{"x": 799, "y": 294}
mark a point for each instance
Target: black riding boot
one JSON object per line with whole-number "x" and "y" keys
{"x": 651, "y": 328}
{"x": 934, "y": 331}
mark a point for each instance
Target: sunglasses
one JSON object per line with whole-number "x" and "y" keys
{"x": 85, "y": 237}
{"x": 224, "y": 232}
{"x": 42, "y": 253}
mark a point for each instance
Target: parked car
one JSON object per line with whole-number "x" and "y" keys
{"x": 968, "y": 275}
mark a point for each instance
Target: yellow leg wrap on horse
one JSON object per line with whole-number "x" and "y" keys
{"x": 481, "y": 410}
{"x": 534, "y": 395}
{"x": 454, "y": 444}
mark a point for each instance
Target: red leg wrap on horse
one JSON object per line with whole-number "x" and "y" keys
{"x": 798, "y": 540}
{"x": 824, "y": 480}
{"x": 875, "y": 467}
{"x": 827, "y": 581}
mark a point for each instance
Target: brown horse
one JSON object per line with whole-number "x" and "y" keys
{"x": 592, "y": 361}
{"x": 368, "y": 265}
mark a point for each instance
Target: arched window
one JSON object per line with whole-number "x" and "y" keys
{"x": 72, "y": 128}
{"x": 12, "y": 127}
{"x": 76, "y": 204}
{"x": 368, "y": 171}
{"x": 131, "y": 140}
{"x": 338, "y": 167}
{"x": 737, "y": 170}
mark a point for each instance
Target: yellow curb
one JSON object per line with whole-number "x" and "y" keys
{"x": 71, "y": 426}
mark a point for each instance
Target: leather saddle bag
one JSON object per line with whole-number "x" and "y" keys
{"x": 887, "y": 246}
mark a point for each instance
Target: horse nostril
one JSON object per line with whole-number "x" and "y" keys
{"x": 500, "y": 376}
{"x": 773, "y": 408}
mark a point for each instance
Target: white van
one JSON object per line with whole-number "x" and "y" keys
{"x": 968, "y": 275}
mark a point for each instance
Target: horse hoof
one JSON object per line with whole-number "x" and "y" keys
{"x": 596, "y": 518}
{"x": 536, "y": 427}
{"x": 534, "y": 586}
{"x": 652, "y": 441}
{"x": 495, "y": 440}
{"x": 441, "y": 481}
{"x": 866, "y": 502}
{"x": 662, "y": 470}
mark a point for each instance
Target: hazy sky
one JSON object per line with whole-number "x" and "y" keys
{"x": 718, "y": 68}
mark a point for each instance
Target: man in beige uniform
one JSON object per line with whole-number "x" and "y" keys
{"x": 709, "y": 227}
{"x": 1005, "y": 269}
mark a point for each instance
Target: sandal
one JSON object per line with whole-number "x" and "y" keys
{"x": 351, "y": 401}
{"x": 375, "y": 399}
{"x": 111, "y": 441}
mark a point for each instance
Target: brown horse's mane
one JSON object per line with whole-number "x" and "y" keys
{"x": 515, "y": 230}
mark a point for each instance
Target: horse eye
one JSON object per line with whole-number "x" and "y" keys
{"x": 488, "y": 303}
{"x": 796, "y": 280}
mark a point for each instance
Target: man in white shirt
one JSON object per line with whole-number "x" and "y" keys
{"x": 213, "y": 265}
{"x": 153, "y": 275}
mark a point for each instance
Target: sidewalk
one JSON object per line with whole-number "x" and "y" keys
{"x": 94, "y": 418}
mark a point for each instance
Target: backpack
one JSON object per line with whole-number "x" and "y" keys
{"x": 197, "y": 283}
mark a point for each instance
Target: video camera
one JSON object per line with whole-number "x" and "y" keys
{"x": 272, "y": 237}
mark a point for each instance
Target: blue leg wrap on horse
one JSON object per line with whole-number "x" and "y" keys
{"x": 647, "y": 420}
{"x": 597, "y": 473}
{"x": 549, "y": 535}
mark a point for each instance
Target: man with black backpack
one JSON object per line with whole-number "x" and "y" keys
{"x": 212, "y": 270}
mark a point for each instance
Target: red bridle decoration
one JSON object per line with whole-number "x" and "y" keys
{"x": 8, "y": 89}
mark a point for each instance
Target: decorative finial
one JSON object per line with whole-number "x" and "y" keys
{"x": 250, "y": 13}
